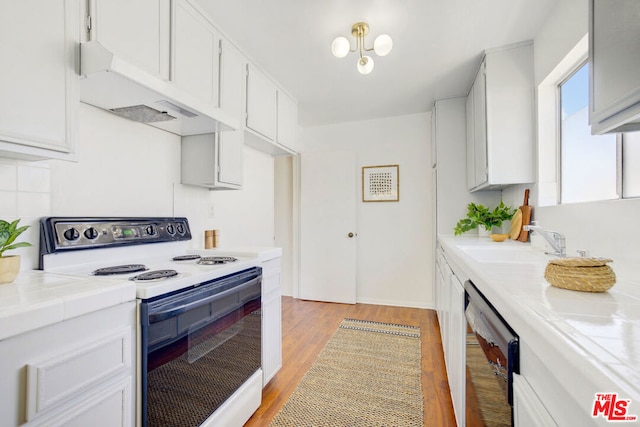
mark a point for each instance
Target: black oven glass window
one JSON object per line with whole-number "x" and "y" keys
{"x": 198, "y": 355}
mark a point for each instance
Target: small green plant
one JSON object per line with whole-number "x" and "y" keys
{"x": 478, "y": 214}
{"x": 9, "y": 232}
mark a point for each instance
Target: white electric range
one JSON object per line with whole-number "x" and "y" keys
{"x": 88, "y": 247}
{"x": 200, "y": 316}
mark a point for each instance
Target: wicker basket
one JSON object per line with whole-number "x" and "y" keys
{"x": 580, "y": 274}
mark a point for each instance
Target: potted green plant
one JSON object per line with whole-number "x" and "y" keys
{"x": 10, "y": 264}
{"x": 479, "y": 215}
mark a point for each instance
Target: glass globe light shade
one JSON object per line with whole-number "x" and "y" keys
{"x": 365, "y": 65}
{"x": 340, "y": 47}
{"x": 382, "y": 45}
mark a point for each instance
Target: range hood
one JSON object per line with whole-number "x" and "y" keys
{"x": 118, "y": 86}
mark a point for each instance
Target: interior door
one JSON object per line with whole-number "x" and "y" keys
{"x": 328, "y": 226}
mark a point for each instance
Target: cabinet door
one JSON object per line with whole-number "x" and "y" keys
{"x": 261, "y": 103}
{"x": 195, "y": 53}
{"x": 457, "y": 336}
{"x": 212, "y": 160}
{"x": 615, "y": 60}
{"x": 272, "y": 333}
{"x": 528, "y": 410}
{"x": 480, "y": 127}
{"x": 287, "y": 120}
{"x": 271, "y": 319}
{"x": 137, "y": 31}
{"x": 471, "y": 160}
{"x": 230, "y": 157}
{"x": 232, "y": 74}
{"x": 39, "y": 87}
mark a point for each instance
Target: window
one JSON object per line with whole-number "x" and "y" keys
{"x": 588, "y": 163}
{"x": 573, "y": 165}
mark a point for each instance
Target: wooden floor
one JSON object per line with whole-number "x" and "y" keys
{"x": 308, "y": 325}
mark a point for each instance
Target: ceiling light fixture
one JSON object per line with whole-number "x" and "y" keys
{"x": 382, "y": 45}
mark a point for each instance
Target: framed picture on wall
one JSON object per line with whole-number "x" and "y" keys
{"x": 381, "y": 183}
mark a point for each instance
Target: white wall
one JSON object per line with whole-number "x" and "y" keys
{"x": 244, "y": 217}
{"x": 394, "y": 239}
{"x": 604, "y": 228}
{"x": 126, "y": 168}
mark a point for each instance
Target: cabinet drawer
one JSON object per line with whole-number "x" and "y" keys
{"x": 108, "y": 407}
{"x": 69, "y": 374}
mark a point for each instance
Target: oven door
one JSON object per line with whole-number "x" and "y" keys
{"x": 198, "y": 347}
{"x": 491, "y": 360}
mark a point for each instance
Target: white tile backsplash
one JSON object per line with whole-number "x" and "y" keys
{"x": 25, "y": 194}
{"x": 8, "y": 204}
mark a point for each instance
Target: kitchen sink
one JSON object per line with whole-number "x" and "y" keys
{"x": 508, "y": 254}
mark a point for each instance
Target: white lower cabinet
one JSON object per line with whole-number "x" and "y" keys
{"x": 271, "y": 319}
{"x": 528, "y": 410}
{"x": 456, "y": 360}
{"x": 450, "y": 307}
{"x": 79, "y": 372}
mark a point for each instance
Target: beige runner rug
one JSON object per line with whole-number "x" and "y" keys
{"x": 368, "y": 374}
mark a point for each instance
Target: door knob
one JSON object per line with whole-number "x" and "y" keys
{"x": 350, "y": 234}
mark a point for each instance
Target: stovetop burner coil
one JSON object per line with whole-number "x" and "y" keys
{"x": 186, "y": 257}
{"x": 119, "y": 269}
{"x": 212, "y": 260}
{"x": 154, "y": 275}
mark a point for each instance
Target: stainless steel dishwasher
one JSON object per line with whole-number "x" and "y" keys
{"x": 491, "y": 360}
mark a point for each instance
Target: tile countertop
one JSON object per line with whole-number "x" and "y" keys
{"x": 37, "y": 299}
{"x": 588, "y": 341}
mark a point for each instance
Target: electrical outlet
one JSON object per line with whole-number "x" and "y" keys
{"x": 211, "y": 211}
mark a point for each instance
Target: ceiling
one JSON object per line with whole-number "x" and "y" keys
{"x": 437, "y": 47}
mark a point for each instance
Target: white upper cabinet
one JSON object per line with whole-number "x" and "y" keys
{"x": 195, "y": 46}
{"x": 271, "y": 115}
{"x": 477, "y": 131}
{"x": 614, "y": 60}
{"x": 39, "y": 84}
{"x": 213, "y": 161}
{"x": 138, "y": 31}
{"x": 232, "y": 78}
{"x": 287, "y": 120}
{"x": 501, "y": 134}
{"x": 261, "y": 103}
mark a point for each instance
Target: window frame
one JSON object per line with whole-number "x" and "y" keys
{"x": 549, "y": 118}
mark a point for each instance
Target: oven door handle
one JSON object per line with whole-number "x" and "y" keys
{"x": 159, "y": 316}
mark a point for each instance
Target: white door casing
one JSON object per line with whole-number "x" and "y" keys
{"x": 327, "y": 218}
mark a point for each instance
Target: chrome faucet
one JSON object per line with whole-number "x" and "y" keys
{"x": 555, "y": 239}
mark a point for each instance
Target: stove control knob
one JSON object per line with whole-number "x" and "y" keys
{"x": 91, "y": 233}
{"x": 171, "y": 229}
{"x": 180, "y": 228}
{"x": 150, "y": 230}
{"x": 71, "y": 234}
